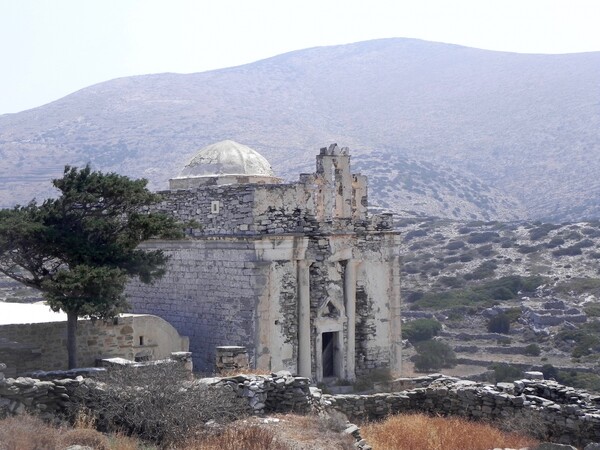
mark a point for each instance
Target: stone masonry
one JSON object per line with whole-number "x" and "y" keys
{"x": 565, "y": 414}
{"x": 298, "y": 273}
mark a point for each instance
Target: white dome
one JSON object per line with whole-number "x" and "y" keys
{"x": 227, "y": 158}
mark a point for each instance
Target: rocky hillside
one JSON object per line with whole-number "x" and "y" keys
{"x": 543, "y": 278}
{"x": 484, "y": 134}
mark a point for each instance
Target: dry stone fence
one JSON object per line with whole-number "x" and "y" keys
{"x": 566, "y": 414}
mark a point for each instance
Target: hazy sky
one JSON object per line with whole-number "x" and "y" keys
{"x": 50, "y": 48}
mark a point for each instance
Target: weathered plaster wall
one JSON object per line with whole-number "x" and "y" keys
{"x": 378, "y": 335}
{"x": 277, "y": 319}
{"x": 43, "y": 345}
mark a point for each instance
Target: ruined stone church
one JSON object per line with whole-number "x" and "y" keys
{"x": 298, "y": 273}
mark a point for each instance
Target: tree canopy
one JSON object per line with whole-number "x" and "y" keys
{"x": 80, "y": 248}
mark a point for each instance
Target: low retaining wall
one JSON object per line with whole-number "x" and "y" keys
{"x": 278, "y": 392}
{"x": 566, "y": 414}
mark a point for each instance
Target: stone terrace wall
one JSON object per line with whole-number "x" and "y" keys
{"x": 208, "y": 294}
{"x": 279, "y": 392}
{"x": 568, "y": 415}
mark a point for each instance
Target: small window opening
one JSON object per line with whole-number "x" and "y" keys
{"x": 141, "y": 340}
{"x": 214, "y": 207}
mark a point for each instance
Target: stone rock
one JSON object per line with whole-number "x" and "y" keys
{"x": 534, "y": 375}
{"x": 592, "y": 446}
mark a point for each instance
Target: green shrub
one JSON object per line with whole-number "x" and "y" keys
{"x": 483, "y": 237}
{"x": 583, "y": 340}
{"x": 433, "y": 355}
{"x": 420, "y": 330}
{"x": 513, "y": 314}
{"x": 591, "y": 232}
{"x": 484, "y": 270}
{"x": 587, "y": 381}
{"x": 555, "y": 242}
{"x": 453, "y": 282}
{"x": 592, "y": 309}
{"x": 414, "y": 234}
{"x": 526, "y": 249}
{"x": 574, "y": 249}
{"x": 505, "y": 372}
{"x": 542, "y": 231}
{"x": 485, "y": 250}
{"x": 466, "y": 257}
{"x": 549, "y": 371}
{"x": 533, "y": 350}
{"x": 455, "y": 245}
{"x": 482, "y": 295}
{"x": 499, "y": 324}
{"x": 579, "y": 286}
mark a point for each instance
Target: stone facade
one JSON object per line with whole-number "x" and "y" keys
{"x": 298, "y": 273}
{"x": 42, "y": 346}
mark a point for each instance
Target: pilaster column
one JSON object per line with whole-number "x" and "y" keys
{"x": 395, "y": 316}
{"x": 304, "y": 353}
{"x": 350, "y": 304}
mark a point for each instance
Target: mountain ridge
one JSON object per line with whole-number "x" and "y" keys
{"x": 521, "y": 124}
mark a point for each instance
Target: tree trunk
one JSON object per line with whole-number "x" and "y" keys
{"x": 72, "y": 339}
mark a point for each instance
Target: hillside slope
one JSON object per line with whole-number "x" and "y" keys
{"x": 520, "y": 125}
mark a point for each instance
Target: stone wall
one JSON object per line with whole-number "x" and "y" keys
{"x": 208, "y": 293}
{"x": 251, "y": 209}
{"x": 279, "y": 392}
{"x": 50, "y": 393}
{"x": 235, "y": 280}
{"x": 42, "y": 346}
{"x": 566, "y": 414}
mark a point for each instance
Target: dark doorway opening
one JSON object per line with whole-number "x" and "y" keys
{"x": 328, "y": 352}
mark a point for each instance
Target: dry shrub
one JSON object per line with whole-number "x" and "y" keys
{"x": 529, "y": 423}
{"x": 156, "y": 404}
{"x": 420, "y": 432}
{"x": 85, "y": 419}
{"x": 236, "y": 437}
{"x": 85, "y": 437}
{"x": 27, "y": 433}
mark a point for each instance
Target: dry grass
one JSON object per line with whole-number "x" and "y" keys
{"x": 122, "y": 442}
{"x": 242, "y": 371}
{"x": 312, "y": 432}
{"x": 27, "y": 433}
{"x": 281, "y": 432}
{"x": 420, "y": 432}
{"x": 237, "y": 436}
{"x": 85, "y": 437}
{"x": 31, "y": 433}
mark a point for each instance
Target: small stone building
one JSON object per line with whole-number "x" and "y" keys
{"x": 298, "y": 273}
